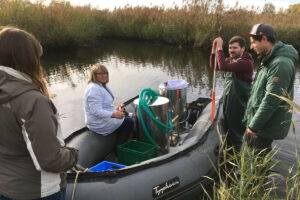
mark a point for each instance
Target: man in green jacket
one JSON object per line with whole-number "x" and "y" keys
{"x": 267, "y": 117}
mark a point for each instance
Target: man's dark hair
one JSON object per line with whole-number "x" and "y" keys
{"x": 239, "y": 40}
{"x": 259, "y": 38}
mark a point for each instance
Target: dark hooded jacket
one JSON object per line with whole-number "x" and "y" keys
{"x": 33, "y": 156}
{"x": 266, "y": 114}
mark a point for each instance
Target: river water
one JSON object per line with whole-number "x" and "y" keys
{"x": 134, "y": 66}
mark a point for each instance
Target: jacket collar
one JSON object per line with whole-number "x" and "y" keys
{"x": 266, "y": 59}
{"x": 15, "y": 73}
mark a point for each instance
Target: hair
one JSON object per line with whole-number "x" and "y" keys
{"x": 21, "y": 51}
{"x": 95, "y": 67}
{"x": 259, "y": 38}
{"x": 239, "y": 40}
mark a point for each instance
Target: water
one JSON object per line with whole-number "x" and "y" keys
{"x": 134, "y": 66}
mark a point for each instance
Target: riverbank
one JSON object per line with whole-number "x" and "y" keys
{"x": 59, "y": 24}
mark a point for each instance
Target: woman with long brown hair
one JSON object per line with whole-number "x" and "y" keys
{"x": 33, "y": 156}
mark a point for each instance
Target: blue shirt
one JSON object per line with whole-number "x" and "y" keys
{"x": 98, "y": 106}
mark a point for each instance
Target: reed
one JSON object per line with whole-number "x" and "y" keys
{"x": 251, "y": 177}
{"x": 248, "y": 175}
{"x": 196, "y": 24}
{"x": 57, "y": 24}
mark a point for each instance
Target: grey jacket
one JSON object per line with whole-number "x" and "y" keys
{"x": 32, "y": 153}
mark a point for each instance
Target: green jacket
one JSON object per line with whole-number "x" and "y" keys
{"x": 266, "y": 114}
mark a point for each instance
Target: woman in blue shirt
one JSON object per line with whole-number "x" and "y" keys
{"x": 107, "y": 122}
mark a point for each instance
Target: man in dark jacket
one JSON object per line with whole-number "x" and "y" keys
{"x": 267, "y": 117}
{"x": 238, "y": 77}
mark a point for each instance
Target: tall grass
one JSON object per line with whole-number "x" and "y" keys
{"x": 246, "y": 175}
{"x": 57, "y": 24}
{"x": 252, "y": 177}
{"x": 197, "y": 23}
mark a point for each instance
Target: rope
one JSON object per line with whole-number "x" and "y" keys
{"x": 147, "y": 98}
{"x": 80, "y": 170}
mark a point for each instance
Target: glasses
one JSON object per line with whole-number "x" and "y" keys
{"x": 101, "y": 73}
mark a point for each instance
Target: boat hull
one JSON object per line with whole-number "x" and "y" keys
{"x": 181, "y": 174}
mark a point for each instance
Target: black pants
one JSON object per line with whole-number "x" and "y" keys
{"x": 258, "y": 144}
{"x": 123, "y": 132}
{"x": 261, "y": 146}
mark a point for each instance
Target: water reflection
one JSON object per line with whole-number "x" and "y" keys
{"x": 133, "y": 66}
{"x": 189, "y": 64}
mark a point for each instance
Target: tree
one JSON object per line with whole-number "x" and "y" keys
{"x": 295, "y": 8}
{"x": 269, "y": 8}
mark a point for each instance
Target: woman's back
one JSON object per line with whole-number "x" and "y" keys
{"x": 32, "y": 153}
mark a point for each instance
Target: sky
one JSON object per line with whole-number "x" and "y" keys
{"x": 111, "y": 4}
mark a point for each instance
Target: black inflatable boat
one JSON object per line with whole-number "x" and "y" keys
{"x": 180, "y": 174}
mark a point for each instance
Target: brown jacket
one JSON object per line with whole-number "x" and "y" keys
{"x": 33, "y": 155}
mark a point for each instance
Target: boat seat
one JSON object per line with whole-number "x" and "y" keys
{"x": 93, "y": 148}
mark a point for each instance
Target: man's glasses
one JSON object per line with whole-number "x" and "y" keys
{"x": 101, "y": 73}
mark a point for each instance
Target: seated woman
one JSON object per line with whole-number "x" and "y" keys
{"x": 108, "y": 125}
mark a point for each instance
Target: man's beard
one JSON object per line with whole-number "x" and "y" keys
{"x": 234, "y": 56}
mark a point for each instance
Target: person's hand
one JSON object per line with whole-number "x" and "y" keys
{"x": 219, "y": 43}
{"x": 214, "y": 46}
{"x": 251, "y": 133}
{"x": 118, "y": 115}
{"x": 119, "y": 107}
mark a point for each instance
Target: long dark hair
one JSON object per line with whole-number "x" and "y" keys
{"x": 21, "y": 51}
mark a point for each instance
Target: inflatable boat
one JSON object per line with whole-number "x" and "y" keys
{"x": 179, "y": 174}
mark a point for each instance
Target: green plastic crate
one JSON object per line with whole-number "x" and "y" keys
{"x": 133, "y": 152}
